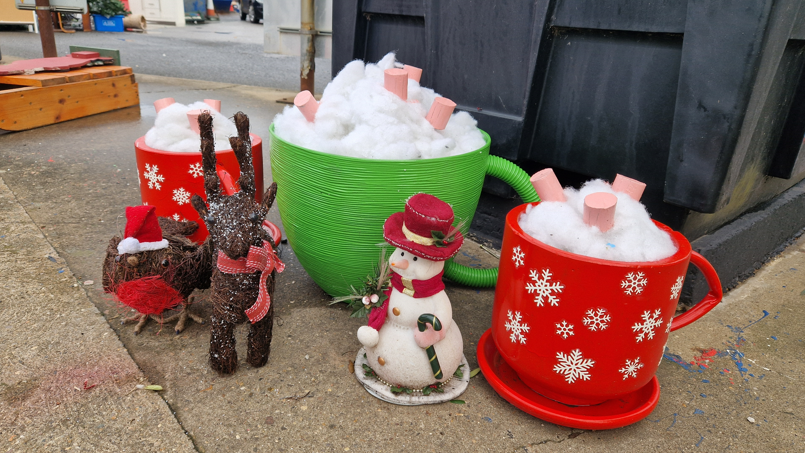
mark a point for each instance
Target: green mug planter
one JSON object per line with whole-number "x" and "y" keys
{"x": 333, "y": 207}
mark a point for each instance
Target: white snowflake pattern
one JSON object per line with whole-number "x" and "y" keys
{"x": 634, "y": 283}
{"x": 668, "y": 326}
{"x": 181, "y": 196}
{"x": 154, "y": 178}
{"x": 196, "y": 170}
{"x": 631, "y": 367}
{"x": 573, "y": 366}
{"x": 176, "y": 217}
{"x": 677, "y": 287}
{"x": 517, "y": 256}
{"x": 564, "y": 329}
{"x": 597, "y": 319}
{"x": 544, "y": 288}
{"x": 650, "y": 322}
{"x": 516, "y": 328}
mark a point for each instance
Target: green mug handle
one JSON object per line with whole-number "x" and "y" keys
{"x": 519, "y": 180}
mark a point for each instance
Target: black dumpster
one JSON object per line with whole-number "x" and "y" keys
{"x": 704, "y": 101}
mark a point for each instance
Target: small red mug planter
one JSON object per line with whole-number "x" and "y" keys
{"x": 582, "y": 330}
{"x": 168, "y": 179}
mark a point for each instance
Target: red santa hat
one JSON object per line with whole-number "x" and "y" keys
{"x": 142, "y": 231}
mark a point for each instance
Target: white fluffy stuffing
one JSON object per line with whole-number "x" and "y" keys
{"x": 358, "y": 117}
{"x": 633, "y": 238}
{"x": 171, "y": 131}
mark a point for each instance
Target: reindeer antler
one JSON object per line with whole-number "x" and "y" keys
{"x": 242, "y": 145}
{"x": 208, "y": 161}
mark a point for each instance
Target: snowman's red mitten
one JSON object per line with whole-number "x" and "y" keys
{"x": 429, "y": 337}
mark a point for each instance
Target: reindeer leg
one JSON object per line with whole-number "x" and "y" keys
{"x": 260, "y": 334}
{"x": 223, "y": 357}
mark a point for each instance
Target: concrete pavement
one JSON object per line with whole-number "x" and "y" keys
{"x": 66, "y": 380}
{"x": 68, "y": 185}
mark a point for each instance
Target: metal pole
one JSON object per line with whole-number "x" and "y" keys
{"x": 46, "y": 28}
{"x": 308, "y": 31}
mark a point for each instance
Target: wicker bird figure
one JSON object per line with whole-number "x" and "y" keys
{"x": 155, "y": 268}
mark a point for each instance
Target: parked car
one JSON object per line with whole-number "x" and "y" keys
{"x": 252, "y": 10}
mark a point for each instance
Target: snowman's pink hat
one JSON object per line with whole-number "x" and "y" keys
{"x": 424, "y": 228}
{"x": 142, "y": 231}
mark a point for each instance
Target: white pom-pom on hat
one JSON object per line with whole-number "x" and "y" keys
{"x": 142, "y": 231}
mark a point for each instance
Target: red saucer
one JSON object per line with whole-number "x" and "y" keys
{"x": 273, "y": 230}
{"x": 610, "y": 414}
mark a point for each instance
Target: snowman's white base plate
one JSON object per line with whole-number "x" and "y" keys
{"x": 452, "y": 389}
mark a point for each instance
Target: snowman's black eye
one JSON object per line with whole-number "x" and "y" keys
{"x": 414, "y": 258}
{"x": 402, "y": 253}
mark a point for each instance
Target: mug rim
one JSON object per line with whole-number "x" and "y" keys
{"x": 683, "y": 245}
{"x": 483, "y": 149}
{"x": 140, "y": 143}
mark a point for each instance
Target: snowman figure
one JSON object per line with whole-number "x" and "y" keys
{"x": 411, "y": 340}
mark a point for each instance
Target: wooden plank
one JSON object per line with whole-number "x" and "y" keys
{"x": 28, "y": 108}
{"x": 16, "y": 90}
{"x": 100, "y": 72}
{"x": 47, "y": 79}
{"x": 44, "y": 79}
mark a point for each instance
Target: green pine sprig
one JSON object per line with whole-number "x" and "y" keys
{"x": 376, "y": 284}
{"x": 443, "y": 240}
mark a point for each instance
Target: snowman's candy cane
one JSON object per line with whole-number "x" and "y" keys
{"x": 421, "y": 323}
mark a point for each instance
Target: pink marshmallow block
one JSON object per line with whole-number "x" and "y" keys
{"x": 214, "y": 104}
{"x": 160, "y": 104}
{"x": 547, "y": 186}
{"x": 629, "y": 186}
{"x": 396, "y": 81}
{"x": 414, "y": 73}
{"x": 439, "y": 113}
{"x": 192, "y": 118}
{"x": 599, "y": 210}
{"x": 306, "y": 104}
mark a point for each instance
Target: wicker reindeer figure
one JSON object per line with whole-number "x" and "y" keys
{"x": 243, "y": 275}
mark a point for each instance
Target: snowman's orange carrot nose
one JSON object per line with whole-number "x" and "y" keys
{"x": 401, "y": 264}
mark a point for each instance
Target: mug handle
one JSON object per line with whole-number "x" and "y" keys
{"x": 709, "y": 301}
{"x": 227, "y": 182}
{"x": 520, "y": 182}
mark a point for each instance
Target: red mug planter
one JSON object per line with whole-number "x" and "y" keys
{"x": 582, "y": 331}
{"x": 168, "y": 179}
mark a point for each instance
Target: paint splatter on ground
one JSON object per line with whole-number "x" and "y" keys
{"x": 702, "y": 361}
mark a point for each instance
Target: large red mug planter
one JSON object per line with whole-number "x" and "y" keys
{"x": 584, "y": 331}
{"x": 168, "y": 179}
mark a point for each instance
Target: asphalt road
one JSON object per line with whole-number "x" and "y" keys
{"x": 229, "y": 51}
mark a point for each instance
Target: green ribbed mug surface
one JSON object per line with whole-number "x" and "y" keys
{"x": 333, "y": 207}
